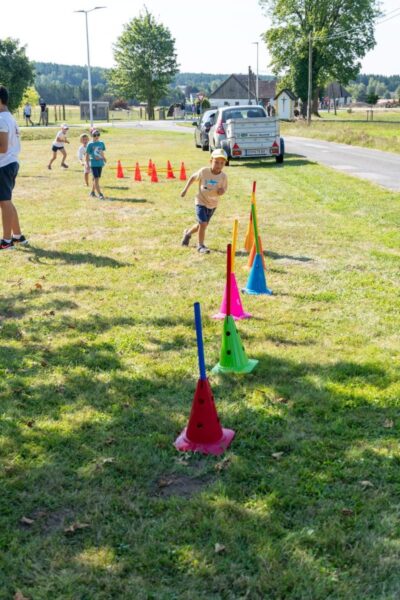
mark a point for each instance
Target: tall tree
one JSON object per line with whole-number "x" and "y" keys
{"x": 16, "y": 71}
{"x": 340, "y": 33}
{"x": 146, "y": 61}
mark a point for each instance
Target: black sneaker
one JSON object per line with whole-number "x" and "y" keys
{"x": 92, "y": 195}
{"x": 20, "y": 241}
{"x": 64, "y": 165}
{"x": 101, "y": 197}
{"x": 186, "y": 238}
{"x": 203, "y": 250}
{"x": 6, "y": 245}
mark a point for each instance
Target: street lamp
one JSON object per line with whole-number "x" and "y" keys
{"x": 88, "y": 59}
{"x": 256, "y": 43}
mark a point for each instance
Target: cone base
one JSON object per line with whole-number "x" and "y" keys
{"x": 267, "y": 292}
{"x": 248, "y": 368}
{"x": 244, "y": 315}
{"x": 183, "y": 444}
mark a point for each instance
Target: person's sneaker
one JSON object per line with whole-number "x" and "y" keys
{"x": 203, "y": 250}
{"x": 186, "y": 238}
{"x": 92, "y": 195}
{"x": 22, "y": 241}
{"x": 64, "y": 165}
{"x": 101, "y": 197}
{"x": 6, "y": 245}
{"x": 49, "y": 167}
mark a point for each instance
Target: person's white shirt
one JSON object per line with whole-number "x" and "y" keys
{"x": 8, "y": 125}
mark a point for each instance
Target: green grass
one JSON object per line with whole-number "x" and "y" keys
{"x": 98, "y": 368}
{"x": 378, "y": 135}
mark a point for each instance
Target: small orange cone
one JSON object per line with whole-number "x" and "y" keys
{"x": 120, "y": 173}
{"x": 154, "y": 178}
{"x": 150, "y": 168}
{"x": 254, "y": 252}
{"x": 138, "y": 176}
{"x": 182, "y": 175}
{"x": 249, "y": 240}
{"x": 170, "y": 173}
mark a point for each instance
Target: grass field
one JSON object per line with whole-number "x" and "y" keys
{"x": 98, "y": 368}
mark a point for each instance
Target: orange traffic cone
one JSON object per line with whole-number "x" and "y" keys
{"x": 254, "y": 252}
{"x": 170, "y": 173}
{"x": 249, "y": 240}
{"x": 182, "y": 175}
{"x": 150, "y": 168}
{"x": 138, "y": 176}
{"x": 154, "y": 178}
{"x": 120, "y": 173}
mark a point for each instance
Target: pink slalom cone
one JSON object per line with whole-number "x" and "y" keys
{"x": 237, "y": 311}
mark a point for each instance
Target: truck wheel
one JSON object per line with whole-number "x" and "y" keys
{"x": 280, "y": 157}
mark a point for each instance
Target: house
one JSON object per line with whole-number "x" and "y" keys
{"x": 335, "y": 94}
{"x": 284, "y": 105}
{"x": 241, "y": 89}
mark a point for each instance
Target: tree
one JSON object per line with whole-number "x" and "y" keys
{"x": 16, "y": 71}
{"x": 146, "y": 61}
{"x": 31, "y": 96}
{"x": 372, "y": 98}
{"x": 340, "y": 33}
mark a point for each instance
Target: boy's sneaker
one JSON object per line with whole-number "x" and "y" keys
{"x": 203, "y": 250}
{"x": 101, "y": 197}
{"x": 186, "y": 238}
{"x": 22, "y": 241}
{"x": 64, "y": 165}
{"x": 6, "y": 245}
{"x": 92, "y": 195}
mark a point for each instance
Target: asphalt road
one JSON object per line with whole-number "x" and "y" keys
{"x": 382, "y": 168}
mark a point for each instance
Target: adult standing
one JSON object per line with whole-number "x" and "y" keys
{"x": 9, "y": 151}
{"x": 43, "y": 112}
{"x": 28, "y": 114}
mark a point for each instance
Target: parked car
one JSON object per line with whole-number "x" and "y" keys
{"x": 202, "y": 129}
{"x": 245, "y": 132}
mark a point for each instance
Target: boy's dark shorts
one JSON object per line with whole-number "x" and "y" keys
{"x": 8, "y": 175}
{"x": 96, "y": 172}
{"x": 204, "y": 214}
{"x": 55, "y": 148}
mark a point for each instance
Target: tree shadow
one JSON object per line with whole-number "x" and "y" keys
{"x": 47, "y": 257}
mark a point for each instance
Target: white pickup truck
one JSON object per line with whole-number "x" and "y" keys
{"x": 247, "y": 132}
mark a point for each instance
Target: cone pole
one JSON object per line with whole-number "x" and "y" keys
{"x": 231, "y": 287}
{"x": 256, "y": 283}
{"x": 249, "y": 240}
{"x": 233, "y": 357}
{"x": 204, "y": 432}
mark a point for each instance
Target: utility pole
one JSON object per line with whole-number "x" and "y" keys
{"x": 309, "y": 96}
{"x": 257, "y": 94}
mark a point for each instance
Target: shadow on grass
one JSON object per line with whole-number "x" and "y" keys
{"x": 134, "y": 200}
{"x": 291, "y": 160}
{"x": 285, "y": 501}
{"x": 43, "y": 256}
{"x": 276, "y": 256}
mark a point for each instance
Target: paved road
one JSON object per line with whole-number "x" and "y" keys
{"x": 379, "y": 167}
{"x": 382, "y": 168}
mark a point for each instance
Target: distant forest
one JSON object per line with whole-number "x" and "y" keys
{"x": 68, "y": 84}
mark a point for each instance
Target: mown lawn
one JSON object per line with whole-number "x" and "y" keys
{"x": 377, "y": 135}
{"x": 98, "y": 368}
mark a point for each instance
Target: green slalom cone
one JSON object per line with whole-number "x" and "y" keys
{"x": 233, "y": 357}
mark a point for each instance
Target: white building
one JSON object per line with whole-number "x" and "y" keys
{"x": 284, "y": 105}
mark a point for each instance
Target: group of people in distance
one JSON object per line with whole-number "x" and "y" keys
{"x": 212, "y": 182}
{"x": 90, "y": 155}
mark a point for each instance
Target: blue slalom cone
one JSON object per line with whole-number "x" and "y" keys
{"x": 256, "y": 283}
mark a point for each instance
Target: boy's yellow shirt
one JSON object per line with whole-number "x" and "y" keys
{"x": 208, "y": 186}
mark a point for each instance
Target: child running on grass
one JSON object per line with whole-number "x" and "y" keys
{"x": 213, "y": 183}
{"x": 96, "y": 159}
{"x": 84, "y": 139}
{"x": 58, "y": 145}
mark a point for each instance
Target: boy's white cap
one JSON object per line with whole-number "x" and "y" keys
{"x": 64, "y": 126}
{"x": 219, "y": 153}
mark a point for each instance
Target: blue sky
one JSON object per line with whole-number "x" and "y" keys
{"x": 211, "y": 36}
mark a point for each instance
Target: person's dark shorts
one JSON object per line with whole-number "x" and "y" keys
{"x": 96, "y": 172}
{"x": 204, "y": 214}
{"x": 8, "y": 175}
{"x": 55, "y": 148}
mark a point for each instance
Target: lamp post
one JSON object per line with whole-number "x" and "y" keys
{"x": 88, "y": 59}
{"x": 257, "y": 98}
